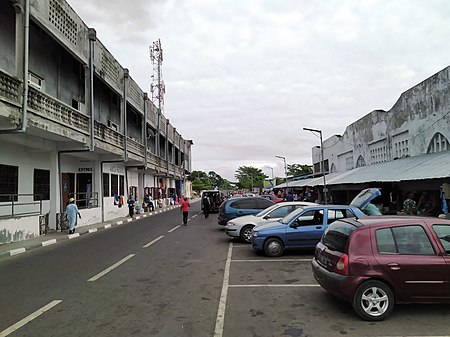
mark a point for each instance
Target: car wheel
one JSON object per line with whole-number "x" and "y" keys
{"x": 273, "y": 247}
{"x": 246, "y": 233}
{"x": 373, "y": 301}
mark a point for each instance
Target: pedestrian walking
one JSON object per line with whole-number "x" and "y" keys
{"x": 206, "y": 205}
{"x": 185, "y": 209}
{"x": 72, "y": 212}
{"x": 131, "y": 201}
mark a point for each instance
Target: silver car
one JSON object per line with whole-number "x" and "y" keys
{"x": 242, "y": 227}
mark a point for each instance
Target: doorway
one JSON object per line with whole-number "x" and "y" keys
{"x": 68, "y": 188}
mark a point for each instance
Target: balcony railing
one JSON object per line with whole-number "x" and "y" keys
{"x": 107, "y": 135}
{"x": 9, "y": 88}
{"x": 56, "y": 111}
{"x": 135, "y": 147}
{"x": 17, "y": 205}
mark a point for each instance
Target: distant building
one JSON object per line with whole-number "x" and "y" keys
{"x": 73, "y": 123}
{"x": 403, "y": 149}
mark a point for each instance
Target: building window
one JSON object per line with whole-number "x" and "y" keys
{"x": 122, "y": 185}
{"x": 438, "y": 143}
{"x": 106, "y": 185}
{"x": 41, "y": 185}
{"x": 9, "y": 182}
{"x": 360, "y": 162}
{"x": 114, "y": 184}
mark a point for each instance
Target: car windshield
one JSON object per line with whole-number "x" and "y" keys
{"x": 266, "y": 210}
{"x": 291, "y": 216}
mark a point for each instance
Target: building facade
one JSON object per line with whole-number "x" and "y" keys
{"x": 74, "y": 123}
{"x": 414, "y": 133}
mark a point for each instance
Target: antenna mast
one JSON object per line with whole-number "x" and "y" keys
{"x": 157, "y": 86}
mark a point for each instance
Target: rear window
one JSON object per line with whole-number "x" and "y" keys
{"x": 336, "y": 235}
{"x": 263, "y": 203}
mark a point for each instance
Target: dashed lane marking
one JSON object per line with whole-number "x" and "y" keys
{"x": 153, "y": 241}
{"x": 29, "y": 318}
{"x": 107, "y": 270}
{"x": 48, "y": 242}
{"x": 273, "y": 285}
{"x": 170, "y": 231}
{"x": 275, "y": 260}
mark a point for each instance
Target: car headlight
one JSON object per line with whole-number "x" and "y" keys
{"x": 231, "y": 223}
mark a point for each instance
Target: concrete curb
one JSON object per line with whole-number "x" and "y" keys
{"x": 27, "y": 246}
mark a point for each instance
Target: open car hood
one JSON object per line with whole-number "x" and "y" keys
{"x": 365, "y": 197}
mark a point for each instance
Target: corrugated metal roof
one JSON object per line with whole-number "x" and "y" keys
{"x": 428, "y": 166}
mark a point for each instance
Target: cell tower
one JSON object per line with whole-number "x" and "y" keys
{"x": 157, "y": 86}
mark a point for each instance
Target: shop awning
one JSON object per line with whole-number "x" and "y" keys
{"x": 429, "y": 166}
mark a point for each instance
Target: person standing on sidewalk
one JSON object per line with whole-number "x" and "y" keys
{"x": 185, "y": 209}
{"x": 131, "y": 201}
{"x": 72, "y": 212}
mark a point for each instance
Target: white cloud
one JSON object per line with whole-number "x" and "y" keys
{"x": 244, "y": 77}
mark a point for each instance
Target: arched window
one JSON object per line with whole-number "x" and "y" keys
{"x": 333, "y": 168}
{"x": 360, "y": 162}
{"x": 438, "y": 143}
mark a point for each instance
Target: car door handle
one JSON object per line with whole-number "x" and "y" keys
{"x": 394, "y": 266}
{"x": 318, "y": 227}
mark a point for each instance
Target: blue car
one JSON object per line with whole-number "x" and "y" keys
{"x": 236, "y": 207}
{"x": 303, "y": 228}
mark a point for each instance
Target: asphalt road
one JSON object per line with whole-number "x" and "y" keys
{"x": 155, "y": 277}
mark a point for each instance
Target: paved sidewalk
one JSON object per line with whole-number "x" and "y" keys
{"x": 53, "y": 237}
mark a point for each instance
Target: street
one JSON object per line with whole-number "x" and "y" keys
{"x": 156, "y": 277}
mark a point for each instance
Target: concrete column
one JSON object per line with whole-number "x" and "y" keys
{"x": 55, "y": 189}
{"x": 20, "y": 18}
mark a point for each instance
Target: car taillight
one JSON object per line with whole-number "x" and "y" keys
{"x": 342, "y": 265}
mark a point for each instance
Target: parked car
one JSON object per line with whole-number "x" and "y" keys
{"x": 374, "y": 262}
{"x": 215, "y": 198}
{"x": 236, "y": 207}
{"x": 242, "y": 227}
{"x": 303, "y": 228}
{"x": 272, "y": 197}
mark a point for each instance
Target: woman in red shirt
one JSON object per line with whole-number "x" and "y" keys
{"x": 185, "y": 209}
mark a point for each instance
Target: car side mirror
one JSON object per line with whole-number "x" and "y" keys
{"x": 446, "y": 238}
{"x": 266, "y": 217}
{"x": 294, "y": 224}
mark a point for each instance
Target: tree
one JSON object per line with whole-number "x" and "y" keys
{"x": 250, "y": 177}
{"x": 202, "y": 181}
{"x": 295, "y": 170}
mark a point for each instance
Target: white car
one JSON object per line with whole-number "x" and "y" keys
{"x": 242, "y": 227}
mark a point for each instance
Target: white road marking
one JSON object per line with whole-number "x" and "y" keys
{"x": 119, "y": 222}
{"x": 73, "y": 236}
{"x": 48, "y": 243}
{"x": 194, "y": 216}
{"x": 13, "y": 252}
{"x": 218, "y": 331}
{"x": 273, "y": 285}
{"x": 107, "y": 226}
{"x": 153, "y": 241}
{"x": 144, "y": 215}
{"x": 92, "y": 230}
{"x": 275, "y": 260}
{"x": 138, "y": 217}
{"x": 129, "y": 220}
{"x": 174, "y": 229}
{"x": 29, "y": 318}
{"x": 107, "y": 270}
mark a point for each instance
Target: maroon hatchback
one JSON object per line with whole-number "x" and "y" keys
{"x": 375, "y": 262}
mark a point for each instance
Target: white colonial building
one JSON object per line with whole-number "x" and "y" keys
{"x": 405, "y": 149}
{"x": 74, "y": 123}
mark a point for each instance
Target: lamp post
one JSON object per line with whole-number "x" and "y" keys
{"x": 322, "y": 163}
{"x": 285, "y": 170}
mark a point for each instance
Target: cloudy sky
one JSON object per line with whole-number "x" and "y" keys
{"x": 243, "y": 77}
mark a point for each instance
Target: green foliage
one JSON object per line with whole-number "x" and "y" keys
{"x": 295, "y": 170}
{"x": 203, "y": 181}
{"x": 250, "y": 177}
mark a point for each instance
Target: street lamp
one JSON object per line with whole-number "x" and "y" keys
{"x": 285, "y": 170}
{"x": 322, "y": 163}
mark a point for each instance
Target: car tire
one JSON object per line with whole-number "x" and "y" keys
{"x": 373, "y": 301}
{"x": 273, "y": 247}
{"x": 246, "y": 233}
